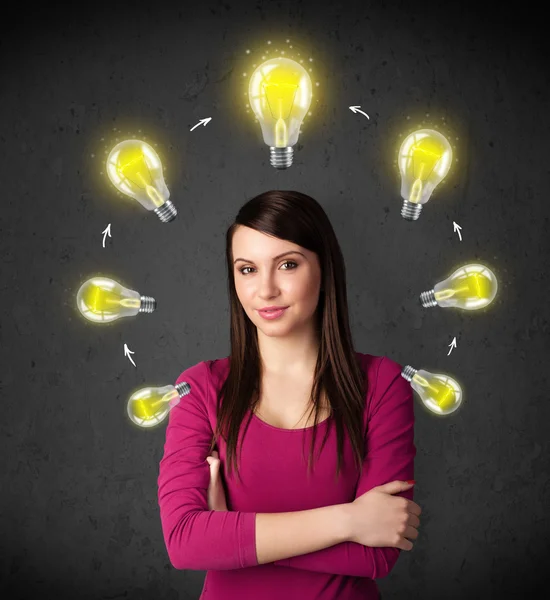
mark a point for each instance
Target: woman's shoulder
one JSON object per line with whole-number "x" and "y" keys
{"x": 218, "y": 367}
{"x": 375, "y": 366}
{"x": 373, "y": 363}
{"x": 205, "y": 369}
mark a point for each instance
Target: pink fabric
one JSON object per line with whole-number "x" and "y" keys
{"x": 274, "y": 479}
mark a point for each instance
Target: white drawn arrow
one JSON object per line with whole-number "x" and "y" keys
{"x": 457, "y": 228}
{"x": 452, "y": 345}
{"x": 355, "y": 109}
{"x": 106, "y": 232}
{"x": 127, "y": 353}
{"x": 202, "y": 122}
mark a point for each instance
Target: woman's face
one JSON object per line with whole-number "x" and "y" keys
{"x": 265, "y": 279}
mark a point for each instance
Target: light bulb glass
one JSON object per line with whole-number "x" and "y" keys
{"x": 439, "y": 393}
{"x": 470, "y": 287}
{"x": 280, "y": 93}
{"x": 424, "y": 159}
{"x": 135, "y": 169}
{"x": 150, "y": 406}
{"x": 103, "y": 300}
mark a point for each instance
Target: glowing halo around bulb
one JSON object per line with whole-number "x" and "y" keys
{"x": 470, "y": 287}
{"x": 134, "y": 168}
{"x": 424, "y": 159}
{"x": 279, "y": 94}
{"x": 440, "y": 394}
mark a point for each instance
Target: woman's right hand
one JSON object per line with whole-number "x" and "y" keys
{"x": 378, "y": 519}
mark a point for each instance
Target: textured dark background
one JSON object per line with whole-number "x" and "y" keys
{"x": 78, "y": 503}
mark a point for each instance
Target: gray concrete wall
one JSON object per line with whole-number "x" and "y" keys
{"x": 78, "y": 507}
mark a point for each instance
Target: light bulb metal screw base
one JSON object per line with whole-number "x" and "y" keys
{"x": 148, "y": 304}
{"x": 281, "y": 158}
{"x": 167, "y": 212}
{"x": 408, "y": 372}
{"x": 428, "y": 299}
{"x": 411, "y": 210}
{"x": 183, "y": 388}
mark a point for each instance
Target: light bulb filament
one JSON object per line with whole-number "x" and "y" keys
{"x": 165, "y": 399}
{"x": 280, "y": 103}
{"x": 431, "y": 153}
{"x": 442, "y": 393}
{"x": 142, "y": 179}
{"x": 146, "y": 181}
{"x": 130, "y": 302}
{"x": 471, "y": 286}
{"x": 129, "y": 166}
{"x": 460, "y": 292}
{"x": 416, "y": 191}
{"x": 102, "y": 299}
{"x": 280, "y": 96}
{"x": 423, "y": 381}
{"x": 281, "y": 138}
{"x": 156, "y": 198}
{"x": 421, "y": 176}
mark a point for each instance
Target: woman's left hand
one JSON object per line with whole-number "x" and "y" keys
{"x": 216, "y": 491}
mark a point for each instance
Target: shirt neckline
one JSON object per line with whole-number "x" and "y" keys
{"x": 319, "y": 424}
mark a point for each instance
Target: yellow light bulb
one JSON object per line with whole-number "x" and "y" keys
{"x": 470, "y": 287}
{"x": 103, "y": 300}
{"x": 150, "y": 406}
{"x": 439, "y": 393}
{"x": 424, "y": 159}
{"x": 279, "y": 93}
{"x": 135, "y": 169}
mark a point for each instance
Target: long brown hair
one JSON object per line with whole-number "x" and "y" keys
{"x": 300, "y": 219}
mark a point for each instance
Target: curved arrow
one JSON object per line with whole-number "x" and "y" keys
{"x": 355, "y": 109}
{"x": 202, "y": 122}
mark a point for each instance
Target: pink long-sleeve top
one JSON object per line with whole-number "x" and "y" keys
{"x": 274, "y": 479}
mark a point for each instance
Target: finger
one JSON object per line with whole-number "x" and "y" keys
{"x": 413, "y": 508}
{"x": 414, "y": 521}
{"x": 411, "y": 533}
{"x": 405, "y": 544}
{"x": 214, "y": 466}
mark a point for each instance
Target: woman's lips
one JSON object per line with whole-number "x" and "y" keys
{"x": 272, "y": 314}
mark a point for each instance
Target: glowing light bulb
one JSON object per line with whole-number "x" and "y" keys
{"x": 150, "y": 406}
{"x": 135, "y": 169}
{"x": 424, "y": 159}
{"x": 470, "y": 287}
{"x": 279, "y": 93}
{"x": 103, "y": 300}
{"x": 439, "y": 393}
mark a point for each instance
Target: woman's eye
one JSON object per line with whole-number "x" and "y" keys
{"x": 288, "y": 262}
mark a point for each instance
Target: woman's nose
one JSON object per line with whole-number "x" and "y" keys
{"x": 267, "y": 287}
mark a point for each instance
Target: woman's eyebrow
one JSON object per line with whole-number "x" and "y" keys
{"x": 274, "y": 258}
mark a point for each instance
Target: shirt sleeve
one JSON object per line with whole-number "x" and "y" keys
{"x": 389, "y": 456}
{"x": 195, "y": 537}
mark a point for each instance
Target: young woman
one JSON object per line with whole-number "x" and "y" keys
{"x": 285, "y": 527}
